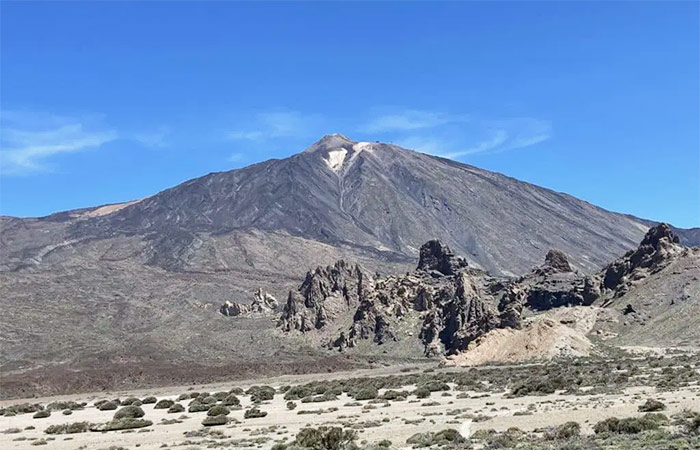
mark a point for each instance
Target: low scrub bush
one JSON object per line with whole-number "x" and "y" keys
{"x": 218, "y": 410}
{"x": 164, "y": 404}
{"x": 68, "y": 428}
{"x": 129, "y": 412}
{"x": 121, "y": 424}
{"x": 43, "y": 414}
{"x": 211, "y": 421}
{"x": 651, "y": 405}
{"x": 254, "y": 413}
{"x": 628, "y": 425}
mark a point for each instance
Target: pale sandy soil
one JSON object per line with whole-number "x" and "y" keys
{"x": 547, "y": 410}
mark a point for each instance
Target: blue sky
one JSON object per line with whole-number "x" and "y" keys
{"x": 108, "y": 102}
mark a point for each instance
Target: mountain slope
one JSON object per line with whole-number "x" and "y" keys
{"x": 367, "y": 196}
{"x": 134, "y": 287}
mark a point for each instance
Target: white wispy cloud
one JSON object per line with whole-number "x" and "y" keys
{"x": 156, "y": 138}
{"x": 277, "y": 124}
{"x": 409, "y": 119}
{"x": 30, "y": 140}
{"x": 454, "y": 136}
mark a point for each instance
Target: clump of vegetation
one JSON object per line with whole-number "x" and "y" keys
{"x": 176, "y": 408}
{"x": 107, "y": 405}
{"x": 366, "y": 393}
{"x": 291, "y": 405}
{"x": 198, "y": 407}
{"x": 326, "y": 438}
{"x": 121, "y": 424}
{"x": 64, "y": 405}
{"x": 325, "y": 397}
{"x": 218, "y": 410}
{"x": 254, "y": 413}
{"x": 69, "y": 428}
{"x": 231, "y": 400}
{"x": 563, "y": 432}
{"x": 149, "y": 400}
{"x": 164, "y": 404}
{"x": 211, "y": 421}
{"x": 261, "y": 393}
{"x": 23, "y": 408}
{"x": 652, "y": 405}
{"x": 130, "y": 401}
{"x": 129, "y": 412}
{"x": 444, "y": 437}
{"x": 628, "y": 425}
{"x": 43, "y": 414}
{"x": 421, "y": 392}
{"x": 67, "y": 412}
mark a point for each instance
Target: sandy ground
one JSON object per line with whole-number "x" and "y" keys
{"x": 404, "y": 417}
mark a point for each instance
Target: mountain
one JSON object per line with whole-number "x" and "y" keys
{"x": 131, "y": 291}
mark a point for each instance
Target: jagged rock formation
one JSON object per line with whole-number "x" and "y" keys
{"x": 457, "y": 304}
{"x": 263, "y": 303}
{"x": 324, "y": 295}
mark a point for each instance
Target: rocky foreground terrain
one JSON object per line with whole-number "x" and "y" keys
{"x": 192, "y": 283}
{"x": 631, "y": 401}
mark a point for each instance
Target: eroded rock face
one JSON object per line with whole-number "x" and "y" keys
{"x": 325, "y": 294}
{"x": 263, "y": 303}
{"x": 659, "y": 246}
{"x": 436, "y": 256}
{"x": 453, "y": 303}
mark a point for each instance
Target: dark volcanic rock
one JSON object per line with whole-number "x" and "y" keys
{"x": 436, "y": 256}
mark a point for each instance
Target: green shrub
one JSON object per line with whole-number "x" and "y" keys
{"x": 208, "y": 400}
{"x": 291, "y": 405}
{"x": 236, "y": 391}
{"x": 326, "y": 438}
{"x": 198, "y": 407}
{"x": 68, "y": 428}
{"x": 211, "y": 421}
{"x": 261, "y": 393}
{"x": 121, "y": 424}
{"x": 43, "y": 414}
{"x": 130, "y": 401}
{"x": 435, "y": 385}
{"x": 220, "y": 395}
{"x": 67, "y": 412}
{"x": 444, "y": 437}
{"x": 218, "y": 410}
{"x": 254, "y": 413}
{"x": 107, "y": 406}
{"x": 651, "y": 405}
{"x": 64, "y": 405}
{"x": 563, "y": 432}
{"x": 176, "y": 408}
{"x": 129, "y": 412}
{"x": 297, "y": 393}
{"x": 231, "y": 400}
{"x": 421, "y": 392}
{"x": 628, "y": 425}
{"x": 164, "y": 404}
{"x": 149, "y": 400}
{"x": 366, "y": 393}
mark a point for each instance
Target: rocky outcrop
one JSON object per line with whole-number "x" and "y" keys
{"x": 454, "y": 304}
{"x": 325, "y": 294}
{"x": 659, "y": 246}
{"x": 263, "y": 303}
{"x": 436, "y": 256}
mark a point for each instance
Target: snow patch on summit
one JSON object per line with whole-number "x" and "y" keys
{"x": 336, "y": 158}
